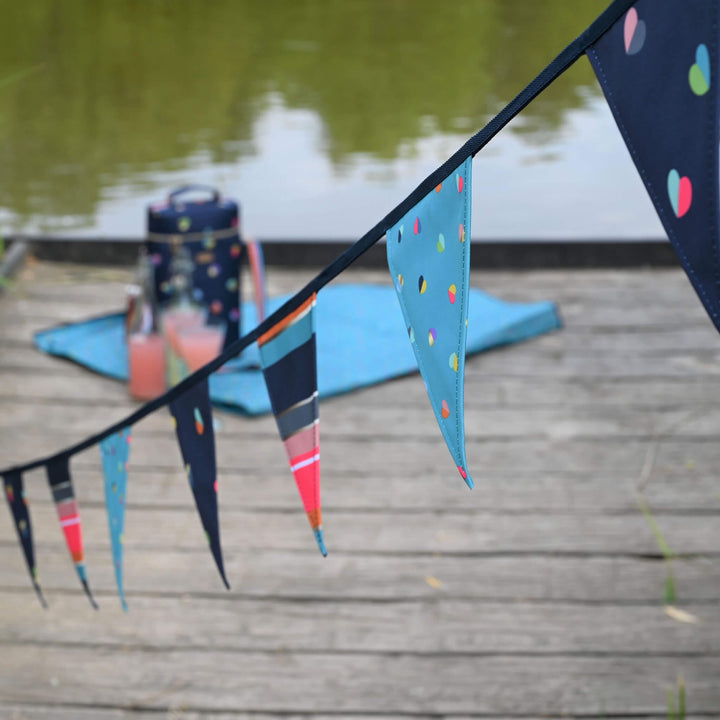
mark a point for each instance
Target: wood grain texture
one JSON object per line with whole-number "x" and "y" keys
{"x": 539, "y": 594}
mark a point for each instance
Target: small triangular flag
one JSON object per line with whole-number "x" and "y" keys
{"x": 15, "y": 496}
{"x": 192, "y": 418}
{"x": 429, "y": 259}
{"x": 289, "y": 360}
{"x": 115, "y": 451}
{"x": 58, "y": 473}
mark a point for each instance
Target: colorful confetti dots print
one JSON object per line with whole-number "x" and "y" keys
{"x": 199, "y": 424}
{"x": 445, "y": 410}
{"x": 680, "y": 193}
{"x": 699, "y": 75}
{"x": 634, "y": 32}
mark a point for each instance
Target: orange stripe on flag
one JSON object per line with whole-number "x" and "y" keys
{"x": 287, "y": 320}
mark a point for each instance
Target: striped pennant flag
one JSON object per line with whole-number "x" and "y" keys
{"x": 289, "y": 360}
{"x": 15, "y": 496}
{"x": 58, "y": 473}
{"x": 115, "y": 451}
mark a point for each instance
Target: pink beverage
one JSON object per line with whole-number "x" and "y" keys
{"x": 147, "y": 365}
{"x": 180, "y": 318}
{"x": 200, "y": 345}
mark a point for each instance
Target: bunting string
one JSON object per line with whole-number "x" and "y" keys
{"x": 548, "y": 75}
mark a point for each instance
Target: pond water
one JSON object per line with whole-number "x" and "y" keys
{"x": 319, "y": 116}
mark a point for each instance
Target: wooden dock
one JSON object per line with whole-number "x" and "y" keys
{"x": 538, "y": 594}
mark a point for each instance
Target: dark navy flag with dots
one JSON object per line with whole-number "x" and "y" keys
{"x": 193, "y": 422}
{"x": 658, "y": 68}
{"x": 15, "y": 496}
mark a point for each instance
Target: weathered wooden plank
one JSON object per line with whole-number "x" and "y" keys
{"x": 427, "y": 626}
{"x": 352, "y": 489}
{"x": 344, "y": 576}
{"x": 372, "y": 532}
{"x": 482, "y": 391}
{"x": 180, "y": 712}
{"x": 318, "y": 682}
{"x": 341, "y": 419}
{"x": 425, "y": 458}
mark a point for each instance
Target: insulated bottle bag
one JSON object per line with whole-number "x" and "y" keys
{"x": 210, "y": 229}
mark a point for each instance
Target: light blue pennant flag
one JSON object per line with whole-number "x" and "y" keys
{"x": 115, "y": 451}
{"x": 429, "y": 260}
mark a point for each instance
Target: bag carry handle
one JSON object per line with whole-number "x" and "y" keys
{"x": 214, "y": 192}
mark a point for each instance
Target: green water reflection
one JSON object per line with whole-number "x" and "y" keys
{"x": 94, "y": 93}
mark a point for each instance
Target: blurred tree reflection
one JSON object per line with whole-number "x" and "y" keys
{"x": 108, "y": 89}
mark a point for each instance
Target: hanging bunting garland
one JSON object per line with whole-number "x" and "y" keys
{"x": 115, "y": 451}
{"x": 656, "y": 61}
{"x": 192, "y": 418}
{"x": 289, "y": 360}
{"x": 58, "y": 474}
{"x": 429, "y": 259}
{"x": 15, "y": 496}
{"x": 657, "y": 67}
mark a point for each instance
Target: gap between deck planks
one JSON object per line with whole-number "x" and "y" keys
{"x": 539, "y": 594}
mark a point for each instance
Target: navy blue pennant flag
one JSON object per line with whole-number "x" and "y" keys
{"x": 193, "y": 422}
{"x": 15, "y": 496}
{"x": 658, "y": 68}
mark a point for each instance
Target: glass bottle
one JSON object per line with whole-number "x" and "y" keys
{"x": 146, "y": 347}
{"x": 182, "y": 314}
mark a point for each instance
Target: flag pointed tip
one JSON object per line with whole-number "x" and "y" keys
{"x": 320, "y": 541}
{"x": 124, "y": 605}
{"x": 465, "y": 475}
{"x": 40, "y": 595}
{"x": 90, "y": 597}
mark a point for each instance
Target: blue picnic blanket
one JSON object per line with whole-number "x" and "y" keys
{"x": 361, "y": 341}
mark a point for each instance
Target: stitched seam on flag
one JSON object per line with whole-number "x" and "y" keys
{"x": 298, "y": 404}
{"x": 305, "y": 463}
{"x": 290, "y": 339}
{"x": 299, "y": 430}
{"x": 288, "y": 320}
{"x": 649, "y": 186}
{"x": 459, "y": 404}
{"x": 713, "y": 166}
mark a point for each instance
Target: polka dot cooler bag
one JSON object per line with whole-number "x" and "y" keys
{"x": 208, "y": 225}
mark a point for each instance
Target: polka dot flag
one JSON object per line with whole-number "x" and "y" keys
{"x": 17, "y": 502}
{"x": 658, "y": 67}
{"x": 115, "y": 451}
{"x": 192, "y": 418}
{"x": 429, "y": 260}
